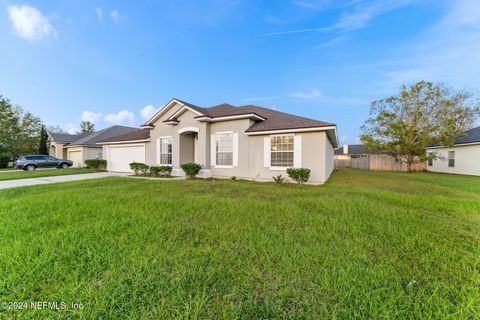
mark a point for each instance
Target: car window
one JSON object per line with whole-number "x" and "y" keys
{"x": 51, "y": 159}
{"x": 27, "y": 158}
{"x": 38, "y": 158}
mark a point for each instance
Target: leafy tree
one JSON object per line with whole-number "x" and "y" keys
{"x": 42, "y": 148}
{"x": 56, "y": 129}
{"x": 418, "y": 116}
{"x": 87, "y": 127}
{"x": 19, "y": 130}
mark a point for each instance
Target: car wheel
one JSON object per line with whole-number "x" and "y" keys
{"x": 64, "y": 166}
{"x": 30, "y": 167}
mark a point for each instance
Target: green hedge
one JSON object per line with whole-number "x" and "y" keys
{"x": 160, "y": 170}
{"x": 300, "y": 175}
{"x": 191, "y": 169}
{"x": 139, "y": 168}
{"x": 4, "y": 160}
{"x": 96, "y": 164}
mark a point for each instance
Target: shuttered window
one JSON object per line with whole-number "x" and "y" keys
{"x": 281, "y": 151}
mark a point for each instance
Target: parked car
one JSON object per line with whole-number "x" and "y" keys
{"x": 32, "y": 162}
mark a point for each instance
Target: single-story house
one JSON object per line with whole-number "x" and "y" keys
{"x": 247, "y": 142}
{"x": 349, "y": 151}
{"x": 83, "y": 146}
{"x": 462, "y": 158}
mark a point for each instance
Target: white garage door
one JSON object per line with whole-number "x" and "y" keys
{"x": 76, "y": 157}
{"x": 120, "y": 157}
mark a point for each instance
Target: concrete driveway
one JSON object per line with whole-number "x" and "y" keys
{"x": 57, "y": 179}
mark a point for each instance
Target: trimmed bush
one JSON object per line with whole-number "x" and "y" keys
{"x": 4, "y": 160}
{"x": 300, "y": 175}
{"x": 160, "y": 170}
{"x": 191, "y": 169}
{"x": 139, "y": 168}
{"x": 99, "y": 164}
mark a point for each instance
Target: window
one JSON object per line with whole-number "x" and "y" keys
{"x": 51, "y": 159}
{"x": 224, "y": 149}
{"x": 451, "y": 159}
{"x": 281, "y": 151}
{"x": 166, "y": 151}
{"x": 430, "y": 159}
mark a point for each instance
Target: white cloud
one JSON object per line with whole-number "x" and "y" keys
{"x": 29, "y": 23}
{"x": 114, "y": 15}
{"x": 99, "y": 13}
{"x": 93, "y": 117}
{"x": 72, "y": 128}
{"x": 310, "y": 94}
{"x": 357, "y": 18}
{"x": 148, "y": 111}
{"x": 121, "y": 117}
{"x": 445, "y": 52}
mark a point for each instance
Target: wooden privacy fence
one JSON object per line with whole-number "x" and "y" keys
{"x": 377, "y": 163}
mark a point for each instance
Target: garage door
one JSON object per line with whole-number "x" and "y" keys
{"x": 120, "y": 157}
{"x": 76, "y": 157}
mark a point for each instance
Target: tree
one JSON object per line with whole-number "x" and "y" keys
{"x": 55, "y": 128}
{"x": 418, "y": 116}
{"x": 87, "y": 127}
{"x": 19, "y": 130}
{"x": 42, "y": 148}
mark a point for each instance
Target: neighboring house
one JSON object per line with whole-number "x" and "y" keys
{"x": 462, "y": 158}
{"x": 247, "y": 142}
{"x": 80, "y": 147}
{"x": 349, "y": 151}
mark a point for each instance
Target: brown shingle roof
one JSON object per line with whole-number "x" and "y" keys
{"x": 275, "y": 120}
{"x": 140, "y": 134}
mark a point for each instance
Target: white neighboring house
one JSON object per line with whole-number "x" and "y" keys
{"x": 462, "y": 158}
{"x": 248, "y": 142}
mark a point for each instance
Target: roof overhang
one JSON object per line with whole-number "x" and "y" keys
{"x": 123, "y": 142}
{"x": 253, "y": 116}
{"x": 330, "y": 130}
{"x": 456, "y": 145}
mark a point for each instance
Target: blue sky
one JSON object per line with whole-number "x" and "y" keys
{"x": 117, "y": 62}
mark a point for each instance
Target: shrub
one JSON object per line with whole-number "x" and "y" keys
{"x": 279, "y": 179}
{"x": 160, "y": 170}
{"x": 300, "y": 175}
{"x": 4, "y": 159}
{"x": 99, "y": 164}
{"x": 139, "y": 168}
{"x": 191, "y": 169}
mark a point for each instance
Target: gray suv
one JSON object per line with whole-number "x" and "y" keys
{"x": 32, "y": 162}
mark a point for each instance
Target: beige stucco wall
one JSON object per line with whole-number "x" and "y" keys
{"x": 467, "y": 160}
{"x": 56, "y": 150}
{"x": 329, "y": 158}
{"x": 186, "y": 120}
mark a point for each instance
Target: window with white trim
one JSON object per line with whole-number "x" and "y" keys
{"x": 451, "y": 159}
{"x": 281, "y": 151}
{"x": 224, "y": 149}
{"x": 166, "y": 151}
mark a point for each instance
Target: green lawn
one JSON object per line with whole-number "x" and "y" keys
{"x": 366, "y": 245}
{"x": 42, "y": 173}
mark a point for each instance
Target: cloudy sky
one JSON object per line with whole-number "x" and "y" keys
{"x": 117, "y": 62}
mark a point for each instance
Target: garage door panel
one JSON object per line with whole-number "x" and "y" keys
{"x": 76, "y": 157}
{"x": 120, "y": 157}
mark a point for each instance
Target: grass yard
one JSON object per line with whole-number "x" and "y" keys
{"x": 366, "y": 245}
{"x": 42, "y": 173}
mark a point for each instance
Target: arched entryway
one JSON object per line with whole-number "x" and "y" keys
{"x": 188, "y": 139}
